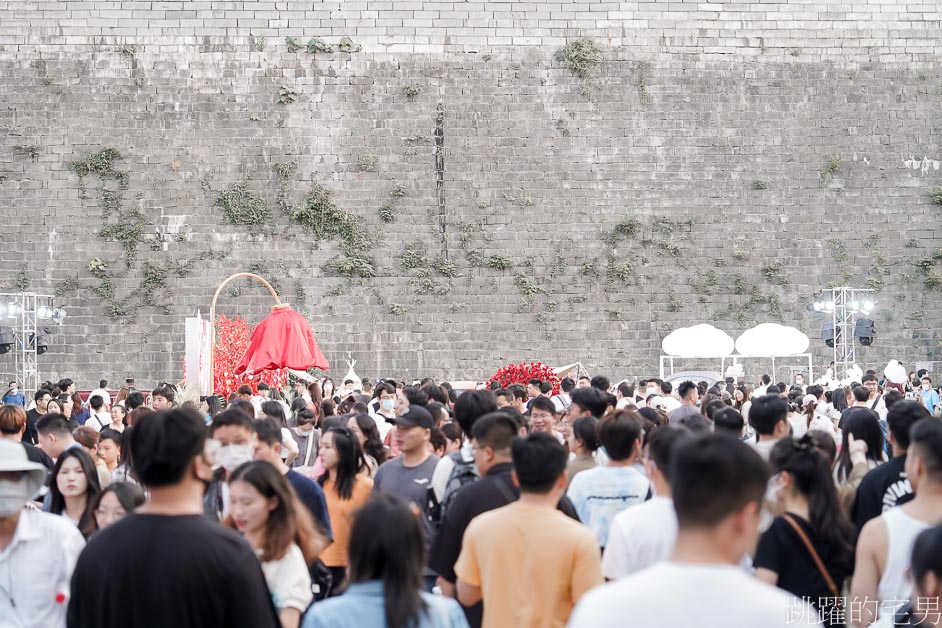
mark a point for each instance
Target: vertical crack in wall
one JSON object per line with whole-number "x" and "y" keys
{"x": 440, "y": 173}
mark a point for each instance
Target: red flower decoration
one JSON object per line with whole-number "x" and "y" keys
{"x": 523, "y": 372}
{"x": 232, "y": 340}
{"x": 60, "y": 598}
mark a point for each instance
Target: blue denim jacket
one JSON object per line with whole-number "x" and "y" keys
{"x": 362, "y": 605}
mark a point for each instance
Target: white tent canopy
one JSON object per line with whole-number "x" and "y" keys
{"x": 699, "y": 341}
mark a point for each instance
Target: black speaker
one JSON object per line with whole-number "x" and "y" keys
{"x": 7, "y": 339}
{"x": 864, "y": 332}
{"x": 827, "y": 333}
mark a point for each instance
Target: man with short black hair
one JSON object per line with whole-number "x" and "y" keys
{"x": 583, "y": 382}
{"x": 600, "y": 493}
{"x": 42, "y": 398}
{"x": 308, "y": 491}
{"x": 764, "y": 388}
{"x": 645, "y": 534}
{"x": 102, "y": 391}
{"x": 729, "y": 420}
{"x": 881, "y": 576}
{"x": 519, "y": 397}
{"x": 587, "y": 402}
{"x": 99, "y": 418}
{"x": 624, "y": 395}
{"x": 563, "y": 400}
{"x": 233, "y": 435}
{"x": 718, "y": 484}
{"x": 503, "y": 396}
{"x": 543, "y": 417}
{"x": 527, "y": 561}
{"x": 769, "y": 417}
{"x": 55, "y": 435}
{"x": 601, "y": 383}
{"x": 135, "y": 400}
{"x": 66, "y": 386}
{"x": 162, "y": 398}
{"x": 689, "y": 402}
{"x": 170, "y": 535}
{"x": 670, "y": 401}
{"x": 887, "y": 485}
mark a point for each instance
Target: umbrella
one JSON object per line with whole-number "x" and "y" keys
{"x": 282, "y": 340}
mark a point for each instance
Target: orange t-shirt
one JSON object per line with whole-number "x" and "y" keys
{"x": 341, "y": 518}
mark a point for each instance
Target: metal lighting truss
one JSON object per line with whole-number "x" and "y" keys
{"x": 21, "y": 312}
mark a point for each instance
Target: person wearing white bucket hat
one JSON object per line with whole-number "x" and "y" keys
{"x": 38, "y": 550}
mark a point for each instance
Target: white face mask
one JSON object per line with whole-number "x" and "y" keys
{"x": 926, "y": 386}
{"x": 13, "y": 496}
{"x": 229, "y": 457}
{"x": 387, "y": 404}
{"x": 651, "y": 391}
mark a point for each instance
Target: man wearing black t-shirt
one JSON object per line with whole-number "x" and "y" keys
{"x": 42, "y": 398}
{"x": 167, "y": 564}
{"x": 887, "y": 485}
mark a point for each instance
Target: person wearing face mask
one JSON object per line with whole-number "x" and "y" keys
{"x": 38, "y": 550}
{"x": 645, "y": 534}
{"x": 209, "y": 575}
{"x": 930, "y": 397}
{"x": 307, "y": 438}
{"x": 385, "y": 415}
{"x": 14, "y": 396}
{"x": 232, "y": 442}
{"x": 809, "y": 549}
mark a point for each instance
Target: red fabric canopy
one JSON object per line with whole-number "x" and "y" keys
{"x": 282, "y": 340}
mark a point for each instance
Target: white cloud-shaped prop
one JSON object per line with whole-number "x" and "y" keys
{"x": 771, "y": 340}
{"x": 895, "y": 372}
{"x": 699, "y": 341}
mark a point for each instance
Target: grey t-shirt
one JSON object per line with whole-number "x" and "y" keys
{"x": 411, "y": 484}
{"x": 683, "y": 411}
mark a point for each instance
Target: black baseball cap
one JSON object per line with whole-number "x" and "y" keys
{"x": 416, "y": 416}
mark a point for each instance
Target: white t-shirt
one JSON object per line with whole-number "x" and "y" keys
{"x": 99, "y": 421}
{"x": 639, "y": 537}
{"x": 682, "y": 594}
{"x": 601, "y": 493}
{"x": 670, "y": 403}
{"x": 289, "y": 580}
{"x": 101, "y": 392}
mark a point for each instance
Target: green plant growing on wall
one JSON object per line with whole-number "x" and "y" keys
{"x": 155, "y": 278}
{"x": 129, "y": 232}
{"x": 316, "y": 44}
{"x": 413, "y": 257}
{"x": 346, "y": 45}
{"x": 31, "y": 149}
{"x": 128, "y": 50}
{"x": 520, "y": 198}
{"x": 412, "y": 90}
{"x": 397, "y": 310}
{"x": 386, "y": 213}
{"x": 367, "y": 162}
{"x": 258, "y": 43}
{"x": 286, "y": 95}
{"x": 293, "y": 44}
{"x": 619, "y": 272}
{"x": 933, "y": 281}
{"x": 474, "y": 258}
{"x": 759, "y": 184}
{"x": 832, "y": 167}
{"x": 285, "y": 170}
{"x": 241, "y": 207}
{"x": 101, "y": 164}
{"x": 445, "y": 268}
{"x": 498, "y": 262}
{"x": 741, "y": 256}
{"x": 937, "y": 195}
{"x": 398, "y": 191}
{"x": 644, "y": 68}
{"x": 590, "y": 269}
{"x": 583, "y": 58}
{"x": 122, "y": 311}
{"x": 528, "y": 290}
{"x": 97, "y": 267}
{"x": 673, "y": 305}
{"x": 67, "y": 285}
{"x": 840, "y": 251}
{"x": 627, "y": 228}
{"x": 21, "y": 281}
{"x": 105, "y": 290}
{"x": 775, "y": 274}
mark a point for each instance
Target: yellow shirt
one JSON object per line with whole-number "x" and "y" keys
{"x": 532, "y": 564}
{"x": 341, "y": 518}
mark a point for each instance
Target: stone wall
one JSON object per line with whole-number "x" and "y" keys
{"x": 721, "y": 162}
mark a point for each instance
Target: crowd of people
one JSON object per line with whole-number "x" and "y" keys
{"x": 381, "y": 503}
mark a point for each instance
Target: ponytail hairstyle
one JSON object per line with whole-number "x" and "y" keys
{"x": 387, "y": 544}
{"x": 811, "y": 476}
{"x": 809, "y": 411}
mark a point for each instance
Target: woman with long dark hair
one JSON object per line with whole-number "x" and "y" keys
{"x": 374, "y": 452}
{"x": 267, "y": 512}
{"x": 386, "y": 564}
{"x": 861, "y": 451}
{"x": 742, "y": 401}
{"x": 812, "y": 531}
{"x": 345, "y": 490}
{"x": 74, "y": 489}
{"x": 80, "y": 413}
